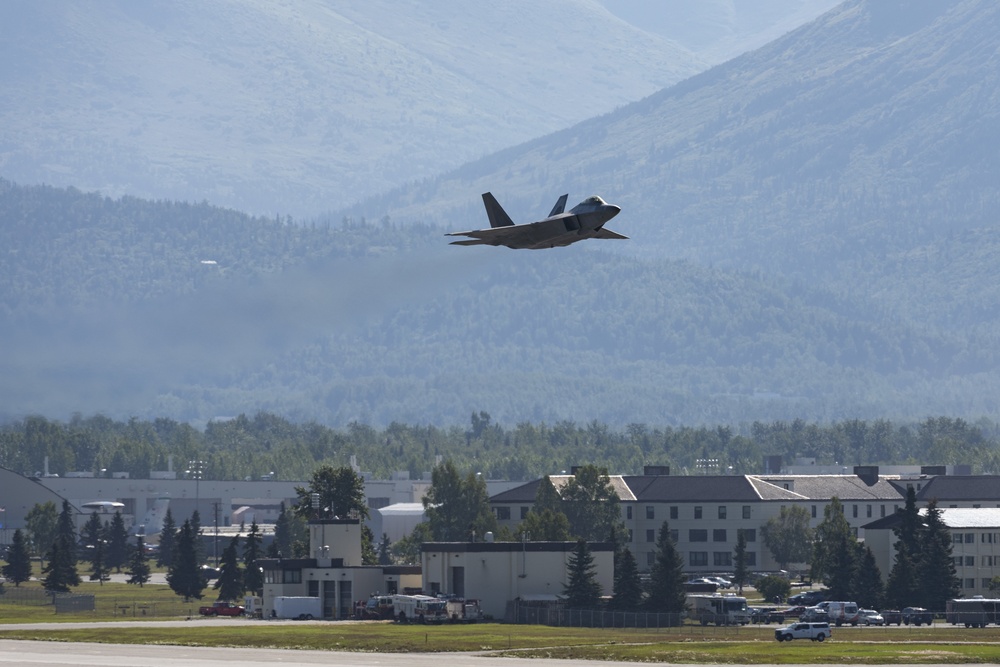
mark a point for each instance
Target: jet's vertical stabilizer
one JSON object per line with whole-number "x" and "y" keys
{"x": 560, "y": 206}
{"x": 498, "y": 216}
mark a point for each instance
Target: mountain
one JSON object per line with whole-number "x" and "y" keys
{"x": 857, "y": 153}
{"x": 306, "y": 107}
{"x": 718, "y": 30}
{"x": 128, "y": 307}
{"x": 301, "y": 107}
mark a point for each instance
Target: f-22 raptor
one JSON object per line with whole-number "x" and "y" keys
{"x": 583, "y": 221}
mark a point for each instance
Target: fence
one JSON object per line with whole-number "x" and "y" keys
{"x": 558, "y": 616}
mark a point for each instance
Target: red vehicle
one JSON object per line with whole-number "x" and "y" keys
{"x": 220, "y": 608}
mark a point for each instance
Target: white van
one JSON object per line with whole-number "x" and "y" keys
{"x": 843, "y": 612}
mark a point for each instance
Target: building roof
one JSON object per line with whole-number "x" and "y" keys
{"x": 955, "y": 518}
{"x": 727, "y": 488}
{"x": 959, "y": 487}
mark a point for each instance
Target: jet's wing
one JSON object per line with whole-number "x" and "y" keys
{"x": 515, "y": 236}
{"x": 603, "y": 233}
{"x": 560, "y": 206}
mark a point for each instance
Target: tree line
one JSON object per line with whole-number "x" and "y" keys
{"x": 250, "y": 446}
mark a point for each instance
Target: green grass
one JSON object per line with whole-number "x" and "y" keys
{"x": 691, "y": 644}
{"x": 112, "y": 601}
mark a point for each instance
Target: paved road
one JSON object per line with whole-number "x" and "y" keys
{"x": 60, "y": 654}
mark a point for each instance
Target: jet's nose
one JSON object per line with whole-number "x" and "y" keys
{"x": 612, "y": 210}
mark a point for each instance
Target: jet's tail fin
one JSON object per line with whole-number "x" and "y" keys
{"x": 498, "y": 217}
{"x": 560, "y": 206}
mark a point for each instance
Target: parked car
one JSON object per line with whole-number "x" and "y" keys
{"x": 766, "y": 615}
{"x": 815, "y": 631}
{"x": 871, "y": 617}
{"x": 721, "y": 581}
{"x": 891, "y": 616}
{"x": 917, "y": 616}
{"x": 814, "y": 615}
{"x": 808, "y": 598}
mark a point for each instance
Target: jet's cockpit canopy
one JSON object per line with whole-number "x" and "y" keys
{"x": 593, "y": 200}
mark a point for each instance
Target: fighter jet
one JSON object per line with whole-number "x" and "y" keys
{"x": 583, "y": 221}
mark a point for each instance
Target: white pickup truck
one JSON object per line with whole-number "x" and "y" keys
{"x": 815, "y": 631}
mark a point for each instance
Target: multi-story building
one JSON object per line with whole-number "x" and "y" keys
{"x": 975, "y": 545}
{"x": 705, "y": 512}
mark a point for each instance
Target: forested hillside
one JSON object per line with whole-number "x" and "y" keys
{"x": 265, "y": 443}
{"x": 191, "y": 312}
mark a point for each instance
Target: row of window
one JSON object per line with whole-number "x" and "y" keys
{"x": 282, "y": 576}
{"x": 970, "y": 538}
{"x": 970, "y": 561}
{"x": 503, "y": 513}
{"x": 719, "y": 558}
{"x": 971, "y": 583}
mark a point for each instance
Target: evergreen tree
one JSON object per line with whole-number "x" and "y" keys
{"x": 118, "y": 547}
{"x": 544, "y": 526}
{"x": 841, "y": 566}
{"x": 199, "y": 547}
{"x": 18, "y": 567}
{"x": 903, "y": 588}
{"x": 138, "y": 564}
{"x": 230, "y": 581}
{"x": 60, "y": 571}
{"x": 869, "y": 591}
{"x": 936, "y": 571}
{"x": 547, "y": 497}
{"x": 385, "y": 551}
{"x": 168, "y": 540}
{"x": 66, "y": 529}
{"x": 92, "y": 533}
{"x": 184, "y": 575}
{"x": 833, "y": 547}
{"x": 740, "y": 570}
{"x": 98, "y": 562}
{"x": 283, "y": 534}
{"x": 368, "y": 554}
{"x": 253, "y": 578}
{"x": 582, "y": 590}
{"x": 666, "y": 589}
{"x": 628, "y": 586}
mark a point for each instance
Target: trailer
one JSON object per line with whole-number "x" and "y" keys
{"x": 419, "y": 609}
{"x": 974, "y": 612}
{"x": 463, "y": 610}
{"x": 297, "y": 607}
{"x": 718, "y": 609}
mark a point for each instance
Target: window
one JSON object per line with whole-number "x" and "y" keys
{"x": 628, "y": 512}
{"x": 814, "y": 511}
{"x": 698, "y": 535}
{"x": 854, "y": 511}
{"x": 673, "y": 511}
{"x": 987, "y": 561}
{"x": 675, "y": 535}
{"x": 970, "y": 538}
{"x": 722, "y": 511}
{"x": 503, "y": 513}
{"x": 697, "y": 512}
{"x": 650, "y": 512}
{"x": 719, "y": 535}
{"x": 749, "y": 534}
{"x": 696, "y": 558}
{"x": 956, "y": 561}
{"x": 650, "y": 535}
{"x": 868, "y": 511}
{"x": 751, "y": 558}
{"x": 313, "y": 588}
{"x": 722, "y": 558}
{"x": 956, "y": 538}
{"x": 970, "y": 561}
{"x": 883, "y": 511}
{"x": 291, "y": 576}
{"x": 969, "y": 583}
{"x": 524, "y": 512}
{"x": 746, "y": 511}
